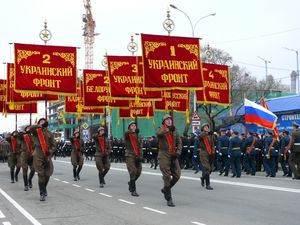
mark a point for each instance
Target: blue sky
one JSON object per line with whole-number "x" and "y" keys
{"x": 243, "y": 28}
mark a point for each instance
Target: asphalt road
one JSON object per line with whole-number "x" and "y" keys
{"x": 234, "y": 201}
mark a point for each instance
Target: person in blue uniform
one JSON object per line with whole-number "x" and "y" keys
{"x": 250, "y": 153}
{"x": 223, "y": 144}
{"x": 285, "y": 153}
{"x": 271, "y": 145}
{"x": 235, "y": 145}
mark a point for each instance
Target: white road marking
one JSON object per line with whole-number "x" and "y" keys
{"x": 6, "y": 223}
{"x": 66, "y": 182}
{"x": 89, "y": 190}
{"x": 75, "y": 185}
{"x": 106, "y": 195}
{"x": 241, "y": 184}
{"x": 197, "y": 223}
{"x": 20, "y": 208}
{"x": 155, "y": 210}
{"x": 56, "y": 179}
{"x": 1, "y": 215}
{"x": 128, "y": 202}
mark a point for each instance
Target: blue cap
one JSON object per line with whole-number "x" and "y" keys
{"x": 223, "y": 129}
{"x": 295, "y": 124}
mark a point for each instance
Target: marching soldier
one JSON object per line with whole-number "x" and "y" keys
{"x": 103, "y": 150}
{"x": 271, "y": 145}
{"x": 294, "y": 159}
{"x": 250, "y": 153}
{"x": 134, "y": 155}
{"x": 223, "y": 144}
{"x": 235, "y": 152}
{"x": 44, "y": 147}
{"x": 207, "y": 154}
{"x": 169, "y": 151}
{"x": 27, "y": 158}
{"x": 77, "y": 156}
{"x": 14, "y": 159}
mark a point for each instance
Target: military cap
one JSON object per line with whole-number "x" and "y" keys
{"x": 167, "y": 116}
{"x": 42, "y": 120}
{"x": 76, "y": 131}
{"x": 100, "y": 128}
{"x": 132, "y": 122}
{"x": 27, "y": 127}
{"x": 295, "y": 124}
{"x": 270, "y": 131}
{"x": 223, "y": 129}
{"x": 236, "y": 132}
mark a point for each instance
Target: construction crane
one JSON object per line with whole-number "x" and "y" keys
{"x": 89, "y": 34}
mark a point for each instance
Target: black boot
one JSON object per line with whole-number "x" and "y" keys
{"x": 74, "y": 173}
{"x": 12, "y": 177}
{"x": 78, "y": 171}
{"x": 130, "y": 186}
{"x": 42, "y": 192}
{"x": 207, "y": 182}
{"x": 25, "y": 178}
{"x": 45, "y": 187}
{"x": 17, "y": 173}
{"x": 168, "y": 196}
{"x": 101, "y": 180}
{"x": 31, "y": 174}
{"x": 133, "y": 193}
{"x": 202, "y": 181}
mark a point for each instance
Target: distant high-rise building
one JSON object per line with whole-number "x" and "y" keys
{"x": 293, "y": 81}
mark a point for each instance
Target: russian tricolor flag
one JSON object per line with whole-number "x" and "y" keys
{"x": 256, "y": 114}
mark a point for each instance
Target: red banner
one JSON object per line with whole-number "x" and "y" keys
{"x": 24, "y": 96}
{"x": 127, "y": 80}
{"x": 171, "y": 62}
{"x": 96, "y": 90}
{"x": 74, "y": 104}
{"x": 2, "y": 95}
{"x": 137, "y": 109}
{"x": 216, "y": 85}
{"x": 46, "y": 69}
{"x": 14, "y": 107}
{"x": 179, "y": 99}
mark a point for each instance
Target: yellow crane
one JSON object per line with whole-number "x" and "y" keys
{"x": 89, "y": 34}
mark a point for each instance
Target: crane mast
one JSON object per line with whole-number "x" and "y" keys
{"x": 89, "y": 34}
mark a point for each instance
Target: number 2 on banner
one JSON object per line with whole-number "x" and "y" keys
{"x": 46, "y": 59}
{"x": 172, "y": 50}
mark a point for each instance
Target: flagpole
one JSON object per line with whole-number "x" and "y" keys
{"x": 45, "y": 35}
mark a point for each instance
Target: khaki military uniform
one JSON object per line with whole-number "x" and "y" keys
{"x": 27, "y": 161}
{"x": 294, "y": 159}
{"x": 206, "y": 158}
{"x": 14, "y": 158}
{"x": 102, "y": 157}
{"x": 133, "y": 161}
{"x": 77, "y": 154}
{"x": 168, "y": 163}
{"x": 5, "y": 149}
{"x": 43, "y": 163}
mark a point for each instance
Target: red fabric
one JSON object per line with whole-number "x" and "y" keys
{"x": 216, "y": 85}
{"x": 14, "y": 144}
{"x": 42, "y": 140}
{"x": 180, "y": 101}
{"x": 45, "y": 68}
{"x": 207, "y": 145}
{"x": 76, "y": 143}
{"x": 169, "y": 138}
{"x": 134, "y": 144}
{"x": 140, "y": 109}
{"x": 28, "y": 144}
{"x": 171, "y": 62}
{"x": 101, "y": 141}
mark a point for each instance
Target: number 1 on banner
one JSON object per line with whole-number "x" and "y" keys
{"x": 172, "y": 49}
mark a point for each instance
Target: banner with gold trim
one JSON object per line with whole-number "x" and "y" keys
{"x": 23, "y": 96}
{"x": 96, "y": 91}
{"x": 216, "y": 85}
{"x": 46, "y": 69}
{"x": 127, "y": 80}
{"x": 21, "y": 108}
{"x": 178, "y": 100}
{"x": 171, "y": 63}
{"x": 137, "y": 109}
{"x": 2, "y": 95}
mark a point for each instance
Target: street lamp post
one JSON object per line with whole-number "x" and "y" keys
{"x": 193, "y": 27}
{"x": 266, "y": 65}
{"x": 297, "y": 63}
